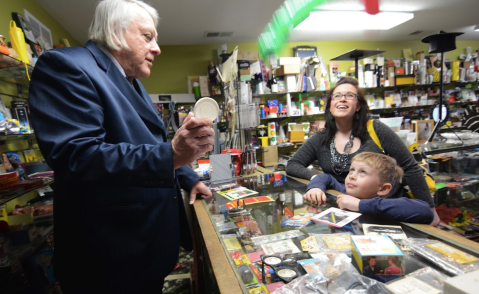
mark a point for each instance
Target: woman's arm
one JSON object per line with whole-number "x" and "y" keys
{"x": 298, "y": 164}
{"x": 413, "y": 174}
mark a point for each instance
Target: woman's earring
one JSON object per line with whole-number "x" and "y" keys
{"x": 356, "y": 116}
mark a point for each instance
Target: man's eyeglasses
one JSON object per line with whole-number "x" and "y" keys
{"x": 348, "y": 96}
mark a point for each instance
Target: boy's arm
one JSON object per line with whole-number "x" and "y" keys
{"x": 401, "y": 209}
{"x": 326, "y": 181}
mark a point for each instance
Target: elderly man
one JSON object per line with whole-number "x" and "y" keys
{"x": 119, "y": 214}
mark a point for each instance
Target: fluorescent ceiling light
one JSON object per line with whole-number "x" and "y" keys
{"x": 352, "y": 20}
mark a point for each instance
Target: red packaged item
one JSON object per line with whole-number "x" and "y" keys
{"x": 29, "y": 184}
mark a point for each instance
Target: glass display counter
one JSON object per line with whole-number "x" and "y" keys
{"x": 223, "y": 235}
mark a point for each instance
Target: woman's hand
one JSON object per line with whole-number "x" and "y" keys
{"x": 436, "y": 220}
{"x": 348, "y": 202}
{"x": 315, "y": 196}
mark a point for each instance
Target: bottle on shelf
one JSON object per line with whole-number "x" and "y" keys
{"x": 273, "y": 83}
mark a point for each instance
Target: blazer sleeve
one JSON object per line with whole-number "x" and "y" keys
{"x": 70, "y": 122}
{"x": 401, "y": 209}
{"x": 413, "y": 174}
{"x": 187, "y": 177}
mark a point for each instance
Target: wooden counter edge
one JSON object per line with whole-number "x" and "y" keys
{"x": 446, "y": 235}
{"x": 225, "y": 277}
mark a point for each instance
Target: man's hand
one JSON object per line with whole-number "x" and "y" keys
{"x": 194, "y": 138}
{"x": 199, "y": 189}
{"x": 315, "y": 196}
{"x": 348, "y": 202}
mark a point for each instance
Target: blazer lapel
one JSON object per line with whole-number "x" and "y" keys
{"x": 136, "y": 95}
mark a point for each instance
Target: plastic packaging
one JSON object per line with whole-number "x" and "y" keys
{"x": 452, "y": 260}
{"x": 430, "y": 276}
{"x": 18, "y": 42}
{"x": 276, "y": 237}
{"x": 340, "y": 277}
{"x": 339, "y": 243}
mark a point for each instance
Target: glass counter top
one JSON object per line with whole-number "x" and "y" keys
{"x": 440, "y": 147}
{"x": 260, "y": 219}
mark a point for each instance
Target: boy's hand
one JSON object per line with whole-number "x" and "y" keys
{"x": 315, "y": 196}
{"x": 348, "y": 202}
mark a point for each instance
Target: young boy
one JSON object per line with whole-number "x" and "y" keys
{"x": 371, "y": 177}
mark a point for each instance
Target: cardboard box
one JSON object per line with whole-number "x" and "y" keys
{"x": 204, "y": 89}
{"x": 289, "y": 61}
{"x": 270, "y": 156}
{"x": 248, "y": 55}
{"x": 380, "y": 247}
{"x": 244, "y": 72}
{"x": 290, "y": 83}
{"x": 405, "y": 80}
{"x": 391, "y": 77}
{"x": 289, "y": 69}
{"x": 296, "y": 136}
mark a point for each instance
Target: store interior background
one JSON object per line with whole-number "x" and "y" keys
{"x": 186, "y": 51}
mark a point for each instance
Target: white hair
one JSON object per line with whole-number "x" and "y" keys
{"x": 113, "y": 17}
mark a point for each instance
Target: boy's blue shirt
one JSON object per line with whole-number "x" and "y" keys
{"x": 401, "y": 209}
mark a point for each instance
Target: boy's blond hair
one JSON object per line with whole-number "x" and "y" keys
{"x": 386, "y": 167}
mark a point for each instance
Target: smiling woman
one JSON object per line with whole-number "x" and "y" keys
{"x": 345, "y": 135}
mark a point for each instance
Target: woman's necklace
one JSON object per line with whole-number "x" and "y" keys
{"x": 340, "y": 161}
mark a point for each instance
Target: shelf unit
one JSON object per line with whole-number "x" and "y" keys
{"x": 9, "y": 196}
{"x": 450, "y": 86}
{"x": 13, "y": 71}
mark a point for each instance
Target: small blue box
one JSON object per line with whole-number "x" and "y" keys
{"x": 272, "y": 103}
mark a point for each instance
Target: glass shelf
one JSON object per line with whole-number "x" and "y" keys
{"x": 437, "y": 148}
{"x": 13, "y": 137}
{"x": 12, "y": 194}
{"x": 13, "y": 71}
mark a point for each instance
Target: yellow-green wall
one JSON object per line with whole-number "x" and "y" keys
{"x": 170, "y": 69}
{"x": 7, "y": 7}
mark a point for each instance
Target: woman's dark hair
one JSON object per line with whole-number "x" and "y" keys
{"x": 360, "y": 124}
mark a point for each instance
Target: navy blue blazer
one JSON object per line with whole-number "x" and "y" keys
{"x": 119, "y": 216}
